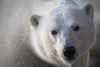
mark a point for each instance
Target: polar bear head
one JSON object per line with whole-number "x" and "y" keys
{"x": 63, "y": 34}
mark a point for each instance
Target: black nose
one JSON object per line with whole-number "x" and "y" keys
{"x": 69, "y": 52}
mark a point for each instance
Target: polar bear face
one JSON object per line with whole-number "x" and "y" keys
{"x": 63, "y": 34}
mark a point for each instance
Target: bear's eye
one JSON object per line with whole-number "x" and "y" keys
{"x": 54, "y": 32}
{"x": 76, "y": 28}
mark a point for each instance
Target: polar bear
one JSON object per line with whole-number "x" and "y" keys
{"x": 60, "y": 37}
{"x": 64, "y": 35}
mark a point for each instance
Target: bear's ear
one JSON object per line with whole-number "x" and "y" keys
{"x": 34, "y": 20}
{"x": 89, "y": 10}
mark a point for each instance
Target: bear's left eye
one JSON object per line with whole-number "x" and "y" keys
{"x": 54, "y": 32}
{"x": 76, "y": 28}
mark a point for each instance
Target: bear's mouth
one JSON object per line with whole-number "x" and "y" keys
{"x": 69, "y": 59}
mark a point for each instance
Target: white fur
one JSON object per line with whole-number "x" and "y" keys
{"x": 63, "y": 18}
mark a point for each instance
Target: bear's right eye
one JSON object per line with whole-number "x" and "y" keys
{"x": 54, "y": 32}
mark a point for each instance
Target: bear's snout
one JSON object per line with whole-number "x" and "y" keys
{"x": 69, "y": 52}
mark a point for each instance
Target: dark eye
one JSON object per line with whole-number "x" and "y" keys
{"x": 76, "y": 28}
{"x": 54, "y": 32}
